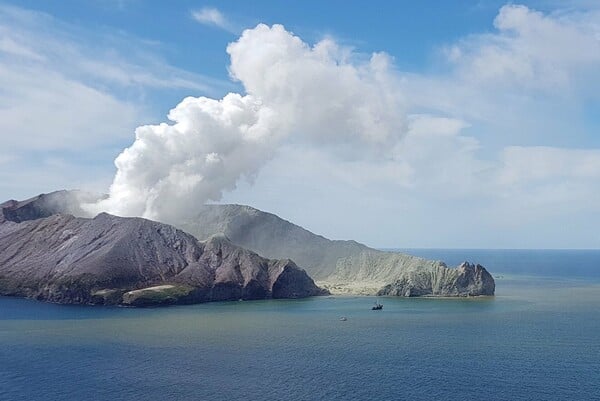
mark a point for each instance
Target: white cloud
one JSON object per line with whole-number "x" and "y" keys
{"x": 6, "y": 158}
{"x": 43, "y": 105}
{"x": 482, "y": 168}
{"x": 328, "y": 95}
{"x": 334, "y": 116}
{"x": 8, "y": 45}
{"x": 27, "y": 177}
{"x": 475, "y": 154}
{"x": 213, "y": 17}
{"x": 531, "y": 50}
{"x": 61, "y": 96}
{"x": 523, "y": 166}
{"x": 525, "y": 82}
{"x": 45, "y": 70}
{"x": 52, "y": 45}
{"x": 42, "y": 110}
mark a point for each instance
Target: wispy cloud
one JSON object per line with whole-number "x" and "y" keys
{"x": 61, "y": 95}
{"x": 213, "y": 17}
{"x": 8, "y": 45}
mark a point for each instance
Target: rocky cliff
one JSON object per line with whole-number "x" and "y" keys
{"x": 132, "y": 261}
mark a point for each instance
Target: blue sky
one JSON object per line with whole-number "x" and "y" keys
{"x": 469, "y": 124}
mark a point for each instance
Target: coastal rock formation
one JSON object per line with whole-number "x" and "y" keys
{"x": 340, "y": 266}
{"x": 133, "y": 261}
{"x": 466, "y": 280}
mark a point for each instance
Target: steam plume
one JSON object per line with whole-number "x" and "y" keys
{"x": 324, "y": 95}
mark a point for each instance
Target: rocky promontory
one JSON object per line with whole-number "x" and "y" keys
{"x": 466, "y": 280}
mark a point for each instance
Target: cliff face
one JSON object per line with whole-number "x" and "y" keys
{"x": 466, "y": 280}
{"x": 341, "y": 266}
{"x": 112, "y": 260}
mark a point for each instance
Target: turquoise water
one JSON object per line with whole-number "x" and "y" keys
{"x": 538, "y": 339}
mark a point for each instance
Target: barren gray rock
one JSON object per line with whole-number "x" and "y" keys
{"x": 341, "y": 266}
{"x": 105, "y": 260}
{"x": 45, "y": 205}
{"x": 268, "y": 234}
{"x": 466, "y": 280}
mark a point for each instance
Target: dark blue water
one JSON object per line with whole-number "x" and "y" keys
{"x": 538, "y": 339}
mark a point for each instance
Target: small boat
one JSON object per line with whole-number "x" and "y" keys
{"x": 377, "y": 306}
{"x": 343, "y": 318}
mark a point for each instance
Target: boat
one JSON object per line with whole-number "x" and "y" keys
{"x": 377, "y": 306}
{"x": 343, "y": 318}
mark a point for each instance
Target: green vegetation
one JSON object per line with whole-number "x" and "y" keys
{"x": 158, "y": 295}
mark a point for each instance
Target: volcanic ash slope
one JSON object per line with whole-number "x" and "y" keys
{"x": 340, "y": 266}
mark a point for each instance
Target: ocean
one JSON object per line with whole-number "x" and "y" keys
{"x": 537, "y": 339}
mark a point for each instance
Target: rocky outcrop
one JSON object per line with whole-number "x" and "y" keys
{"x": 466, "y": 280}
{"x": 134, "y": 261}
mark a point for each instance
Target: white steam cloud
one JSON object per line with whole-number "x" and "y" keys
{"x": 324, "y": 95}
